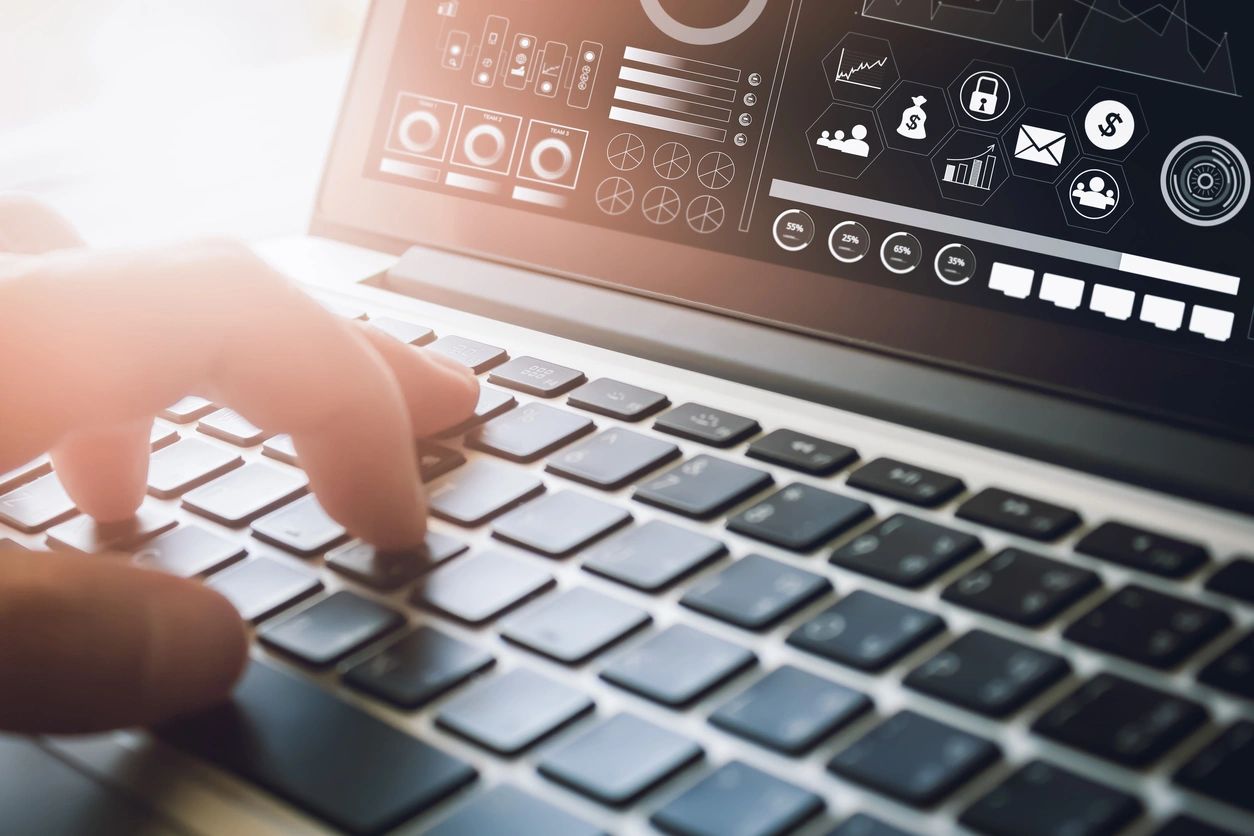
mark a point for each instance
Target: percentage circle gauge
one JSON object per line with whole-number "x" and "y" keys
{"x": 849, "y": 251}
{"x": 706, "y": 214}
{"x": 955, "y": 264}
{"x": 615, "y": 195}
{"x": 716, "y": 171}
{"x": 626, "y": 152}
{"x": 901, "y": 253}
{"x": 793, "y": 230}
{"x": 661, "y": 205}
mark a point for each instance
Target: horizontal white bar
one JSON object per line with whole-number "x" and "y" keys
{"x": 411, "y": 170}
{"x": 1179, "y": 274}
{"x": 665, "y": 123}
{"x": 679, "y": 85}
{"x": 555, "y": 201}
{"x": 474, "y": 184}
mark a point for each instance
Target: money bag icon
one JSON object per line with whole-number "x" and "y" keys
{"x": 914, "y": 120}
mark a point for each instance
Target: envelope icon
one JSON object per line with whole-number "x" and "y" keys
{"x": 1040, "y": 145}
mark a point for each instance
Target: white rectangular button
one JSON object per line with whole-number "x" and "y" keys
{"x": 1062, "y": 291}
{"x": 1167, "y": 314}
{"x": 1013, "y": 281}
{"x": 1211, "y": 323}
{"x": 1114, "y": 302}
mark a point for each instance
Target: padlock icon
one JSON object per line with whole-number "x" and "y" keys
{"x": 986, "y": 97}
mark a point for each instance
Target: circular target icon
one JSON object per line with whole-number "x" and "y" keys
{"x": 1206, "y": 181}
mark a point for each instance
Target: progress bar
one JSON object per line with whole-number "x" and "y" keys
{"x": 992, "y": 234}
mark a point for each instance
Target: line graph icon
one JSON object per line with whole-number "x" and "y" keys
{"x": 860, "y": 69}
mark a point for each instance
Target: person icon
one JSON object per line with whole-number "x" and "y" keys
{"x": 824, "y": 140}
{"x": 1092, "y": 192}
{"x": 857, "y": 146}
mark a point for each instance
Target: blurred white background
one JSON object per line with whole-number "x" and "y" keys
{"x": 152, "y": 120}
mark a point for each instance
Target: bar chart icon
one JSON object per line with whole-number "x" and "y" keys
{"x": 975, "y": 171}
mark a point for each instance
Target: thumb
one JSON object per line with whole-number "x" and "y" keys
{"x": 91, "y": 644}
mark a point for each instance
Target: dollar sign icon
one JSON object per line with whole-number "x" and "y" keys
{"x": 1109, "y": 129}
{"x": 1110, "y": 125}
{"x": 914, "y": 122}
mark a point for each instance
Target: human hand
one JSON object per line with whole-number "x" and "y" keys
{"x": 92, "y": 345}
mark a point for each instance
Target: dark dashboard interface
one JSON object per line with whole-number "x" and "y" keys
{"x": 1074, "y": 162}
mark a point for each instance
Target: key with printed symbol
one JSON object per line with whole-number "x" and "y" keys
{"x": 1148, "y": 627}
{"x": 536, "y": 377}
{"x": 703, "y": 486}
{"x": 617, "y": 400}
{"x": 476, "y": 356}
{"x": 560, "y": 523}
{"x": 1025, "y": 589}
{"x": 652, "y": 556}
{"x": 1019, "y": 514}
{"x": 801, "y": 452}
{"x": 906, "y": 551}
{"x": 612, "y": 458}
{"x": 707, "y": 425}
{"x": 492, "y": 402}
{"x": 799, "y": 517}
{"x": 866, "y": 632}
{"x": 755, "y": 592}
{"x": 1137, "y": 548}
{"x": 301, "y": 527}
{"x": 897, "y": 480}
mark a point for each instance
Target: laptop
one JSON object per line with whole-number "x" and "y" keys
{"x": 866, "y": 444}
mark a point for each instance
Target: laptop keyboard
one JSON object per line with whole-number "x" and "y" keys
{"x": 620, "y": 700}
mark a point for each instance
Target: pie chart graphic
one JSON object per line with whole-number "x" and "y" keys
{"x": 716, "y": 171}
{"x": 626, "y": 152}
{"x": 615, "y": 195}
{"x": 661, "y": 205}
{"x": 728, "y": 24}
{"x": 706, "y": 214}
{"x": 672, "y": 161}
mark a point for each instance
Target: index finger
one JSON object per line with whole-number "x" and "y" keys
{"x": 114, "y": 337}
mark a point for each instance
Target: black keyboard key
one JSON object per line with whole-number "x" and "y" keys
{"x": 612, "y": 458}
{"x": 1233, "y": 670}
{"x": 536, "y": 377}
{"x": 865, "y": 631}
{"x": 243, "y": 495}
{"x": 573, "y": 626}
{"x": 1019, "y": 514}
{"x": 187, "y": 464}
{"x": 915, "y": 759}
{"x": 229, "y": 426}
{"x": 398, "y": 329}
{"x": 1189, "y": 826}
{"x": 790, "y": 710}
{"x": 36, "y": 505}
{"x": 755, "y": 592}
{"x": 738, "y": 800}
{"x": 802, "y": 452}
{"x": 28, "y": 472}
{"x": 1223, "y": 768}
{"x": 1121, "y": 721}
{"x": 677, "y": 666}
{"x": 510, "y": 712}
{"x": 703, "y": 487}
{"x": 190, "y": 551}
{"x": 560, "y": 523}
{"x": 391, "y": 570}
{"x": 1137, "y": 548}
{"x": 617, "y": 400}
{"x": 324, "y": 755}
{"x": 481, "y": 490}
{"x": 301, "y": 527}
{"x": 1235, "y": 580}
{"x": 898, "y": 480}
{"x": 1044, "y": 800}
{"x": 474, "y": 355}
{"x": 906, "y": 551}
{"x": 281, "y": 448}
{"x": 328, "y": 630}
{"x": 529, "y": 432}
{"x": 418, "y": 667}
{"x": 653, "y": 556}
{"x": 707, "y": 425}
{"x": 1022, "y": 588}
{"x": 434, "y": 461}
{"x": 1148, "y": 628}
{"x": 988, "y": 674}
{"x": 799, "y": 517}
{"x": 504, "y": 809}
{"x": 87, "y": 536}
{"x": 479, "y": 588}
{"x": 188, "y": 409}
{"x": 620, "y": 759}
{"x": 860, "y": 824}
{"x": 261, "y": 587}
{"x": 492, "y": 402}
{"x": 161, "y": 435}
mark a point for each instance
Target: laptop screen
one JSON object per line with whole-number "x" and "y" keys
{"x": 1050, "y": 191}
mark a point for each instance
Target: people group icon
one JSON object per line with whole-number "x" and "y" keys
{"x": 856, "y": 145}
{"x": 1092, "y": 192}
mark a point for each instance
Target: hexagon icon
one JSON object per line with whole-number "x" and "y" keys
{"x": 986, "y": 97}
{"x": 970, "y": 168}
{"x": 845, "y": 140}
{"x": 1110, "y": 123}
{"x": 916, "y": 118}
{"x": 1094, "y": 195}
{"x": 1040, "y": 145}
{"x": 860, "y": 69}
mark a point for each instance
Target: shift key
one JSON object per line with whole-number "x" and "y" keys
{"x": 322, "y": 754}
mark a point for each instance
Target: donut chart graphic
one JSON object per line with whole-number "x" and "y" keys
{"x": 707, "y": 36}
